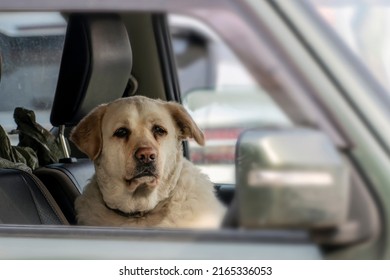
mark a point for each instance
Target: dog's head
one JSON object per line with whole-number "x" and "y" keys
{"x": 135, "y": 144}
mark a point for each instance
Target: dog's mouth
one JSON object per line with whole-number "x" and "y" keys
{"x": 143, "y": 176}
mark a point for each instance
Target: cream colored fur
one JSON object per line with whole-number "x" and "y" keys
{"x": 177, "y": 195}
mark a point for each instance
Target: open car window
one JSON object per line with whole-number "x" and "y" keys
{"x": 221, "y": 95}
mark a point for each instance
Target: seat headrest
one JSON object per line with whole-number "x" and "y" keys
{"x": 95, "y": 67}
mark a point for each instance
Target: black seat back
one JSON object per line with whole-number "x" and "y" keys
{"x": 95, "y": 67}
{"x": 25, "y": 200}
{"x": 66, "y": 181}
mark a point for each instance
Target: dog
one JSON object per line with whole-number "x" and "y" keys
{"x": 141, "y": 176}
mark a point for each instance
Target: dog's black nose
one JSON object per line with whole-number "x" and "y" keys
{"x": 146, "y": 155}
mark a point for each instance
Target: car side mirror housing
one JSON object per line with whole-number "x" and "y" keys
{"x": 290, "y": 178}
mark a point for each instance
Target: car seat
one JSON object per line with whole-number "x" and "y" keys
{"x": 95, "y": 69}
{"x": 25, "y": 200}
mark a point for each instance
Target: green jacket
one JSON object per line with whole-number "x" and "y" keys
{"x": 37, "y": 146}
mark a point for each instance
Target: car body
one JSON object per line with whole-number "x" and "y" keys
{"x": 303, "y": 69}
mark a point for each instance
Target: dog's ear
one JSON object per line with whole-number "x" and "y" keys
{"x": 87, "y": 135}
{"x": 187, "y": 126}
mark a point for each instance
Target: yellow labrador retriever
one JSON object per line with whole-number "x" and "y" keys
{"x": 141, "y": 177}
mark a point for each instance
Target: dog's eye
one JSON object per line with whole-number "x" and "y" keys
{"x": 121, "y": 132}
{"x": 158, "y": 130}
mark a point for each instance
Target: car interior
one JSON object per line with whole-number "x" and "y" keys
{"x": 109, "y": 56}
{"x": 94, "y": 46}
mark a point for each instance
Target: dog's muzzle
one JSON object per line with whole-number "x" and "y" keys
{"x": 143, "y": 170}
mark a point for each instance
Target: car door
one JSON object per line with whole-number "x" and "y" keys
{"x": 292, "y": 89}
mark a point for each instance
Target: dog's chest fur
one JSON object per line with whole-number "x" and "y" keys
{"x": 191, "y": 204}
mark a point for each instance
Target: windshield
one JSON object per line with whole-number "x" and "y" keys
{"x": 364, "y": 26}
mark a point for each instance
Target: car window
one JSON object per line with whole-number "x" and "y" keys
{"x": 220, "y": 94}
{"x": 364, "y": 26}
{"x": 30, "y": 50}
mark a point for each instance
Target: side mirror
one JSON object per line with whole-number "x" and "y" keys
{"x": 290, "y": 178}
